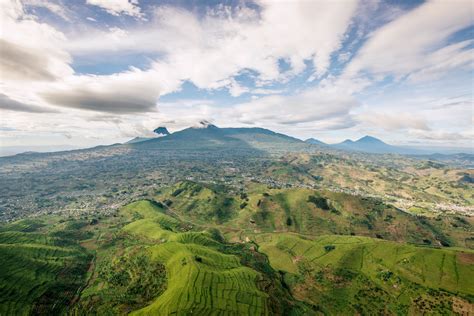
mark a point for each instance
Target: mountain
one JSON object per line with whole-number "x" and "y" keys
{"x": 206, "y": 136}
{"x": 160, "y": 132}
{"x": 371, "y": 144}
{"x": 314, "y": 141}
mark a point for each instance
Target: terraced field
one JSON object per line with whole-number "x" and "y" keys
{"x": 395, "y": 272}
{"x": 310, "y": 212}
{"x": 39, "y": 271}
{"x": 150, "y": 258}
{"x": 199, "y": 278}
{"x": 205, "y": 282}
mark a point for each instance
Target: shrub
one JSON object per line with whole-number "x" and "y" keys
{"x": 320, "y": 202}
{"x": 329, "y": 247}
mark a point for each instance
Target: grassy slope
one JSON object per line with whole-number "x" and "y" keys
{"x": 262, "y": 209}
{"x": 151, "y": 260}
{"x": 419, "y": 277}
{"x": 406, "y": 278}
{"x": 40, "y": 270}
{"x": 199, "y": 278}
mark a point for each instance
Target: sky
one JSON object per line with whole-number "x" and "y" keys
{"x": 88, "y": 72}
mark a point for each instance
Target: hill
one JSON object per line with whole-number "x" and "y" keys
{"x": 314, "y": 141}
{"x": 43, "y": 266}
{"x": 150, "y": 258}
{"x": 309, "y": 212}
{"x": 355, "y": 275}
{"x": 159, "y": 132}
{"x": 374, "y": 145}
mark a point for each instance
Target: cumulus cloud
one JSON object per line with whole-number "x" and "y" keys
{"x": 411, "y": 43}
{"x": 310, "y": 106}
{"x": 30, "y": 50}
{"x": 240, "y": 48}
{"x": 12, "y": 105}
{"x": 394, "y": 121}
{"x": 227, "y": 40}
{"x": 310, "y": 110}
{"x": 118, "y": 7}
{"x": 134, "y": 91}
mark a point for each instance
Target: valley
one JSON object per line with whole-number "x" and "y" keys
{"x": 234, "y": 222}
{"x": 236, "y": 158}
{"x": 193, "y": 248}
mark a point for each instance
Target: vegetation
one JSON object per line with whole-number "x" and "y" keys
{"x": 43, "y": 267}
{"x": 347, "y": 274}
{"x": 150, "y": 258}
{"x": 234, "y": 222}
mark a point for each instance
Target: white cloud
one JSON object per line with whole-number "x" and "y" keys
{"x": 215, "y": 48}
{"x": 133, "y": 91}
{"x": 30, "y": 50}
{"x": 267, "y": 91}
{"x": 393, "y": 121}
{"x": 8, "y": 104}
{"x": 412, "y": 42}
{"x": 209, "y": 51}
{"x": 118, "y": 7}
{"x": 31, "y": 57}
{"x": 311, "y": 106}
{"x": 55, "y": 8}
{"x": 312, "y": 109}
{"x": 444, "y": 135}
{"x": 444, "y": 60}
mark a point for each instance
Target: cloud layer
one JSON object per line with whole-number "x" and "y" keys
{"x": 301, "y": 67}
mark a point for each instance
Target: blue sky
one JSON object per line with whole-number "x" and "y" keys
{"x": 102, "y": 71}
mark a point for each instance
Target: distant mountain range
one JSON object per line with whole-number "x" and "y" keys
{"x": 374, "y": 145}
{"x": 205, "y": 136}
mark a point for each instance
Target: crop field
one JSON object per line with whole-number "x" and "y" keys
{"x": 199, "y": 278}
{"x": 395, "y": 270}
{"x": 38, "y": 271}
{"x": 205, "y": 282}
{"x": 297, "y": 210}
{"x": 151, "y": 258}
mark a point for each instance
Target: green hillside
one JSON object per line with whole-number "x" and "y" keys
{"x": 201, "y": 279}
{"x": 174, "y": 256}
{"x": 42, "y": 267}
{"x": 347, "y": 275}
{"x": 309, "y": 212}
{"x": 204, "y": 275}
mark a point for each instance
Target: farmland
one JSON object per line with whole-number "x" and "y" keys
{"x": 152, "y": 257}
{"x": 41, "y": 271}
{"x": 346, "y": 270}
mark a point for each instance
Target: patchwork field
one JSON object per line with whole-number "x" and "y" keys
{"x": 310, "y": 212}
{"x": 340, "y": 269}
{"x": 40, "y": 271}
{"x": 269, "y": 255}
